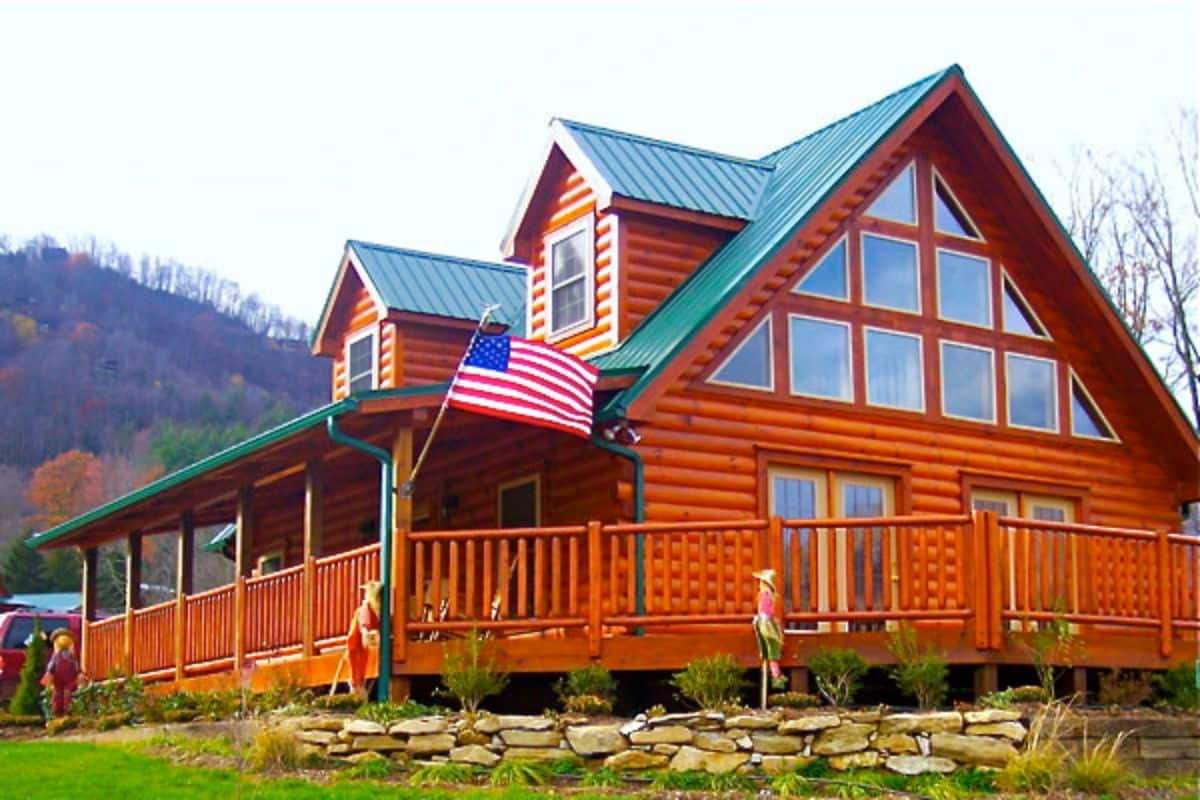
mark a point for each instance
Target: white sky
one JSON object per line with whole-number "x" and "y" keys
{"x": 254, "y": 141}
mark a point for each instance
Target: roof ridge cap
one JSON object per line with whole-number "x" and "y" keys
{"x": 498, "y": 265}
{"x": 687, "y": 148}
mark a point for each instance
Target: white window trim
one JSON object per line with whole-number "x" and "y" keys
{"x": 937, "y": 283}
{"x": 911, "y": 168}
{"x": 849, "y": 357}
{"x": 354, "y": 339}
{"x": 770, "y": 387}
{"x": 935, "y": 179}
{"x": 1006, "y": 280}
{"x": 1072, "y": 383}
{"x": 586, "y": 223}
{"x": 1008, "y": 356}
{"x": 942, "y": 345}
{"x": 867, "y": 329}
{"x": 258, "y": 565}
{"x": 843, "y": 239}
{"x": 536, "y": 479}
{"x": 862, "y": 271}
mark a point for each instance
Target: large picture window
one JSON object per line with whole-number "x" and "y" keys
{"x": 890, "y": 275}
{"x": 1032, "y": 392}
{"x": 964, "y": 285}
{"x": 569, "y": 271}
{"x": 968, "y": 382}
{"x": 820, "y": 358}
{"x": 895, "y": 374}
{"x": 361, "y": 363}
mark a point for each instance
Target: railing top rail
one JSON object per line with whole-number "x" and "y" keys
{"x": 222, "y": 589}
{"x": 1183, "y": 538}
{"x": 138, "y": 612}
{"x": 1077, "y": 527}
{"x": 346, "y": 555}
{"x": 275, "y": 576}
{"x": 497, "y": 533}
{"x": 687, "y": 527}
{"x": 116, "y": 619}
{"x": 879, "y": 522}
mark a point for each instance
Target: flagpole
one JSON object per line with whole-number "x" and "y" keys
{"x": 407, "y": 488}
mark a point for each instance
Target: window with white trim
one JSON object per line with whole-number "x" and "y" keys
{"x": 1017, "y": 316}
{"x": 569, "y": 277}
{"x": 948, "y": 214}
{"x": 829, "y": 277}
{"x": 361, "y": 363}
{"x": 1032, "y": 392}
{"x": 898, "y": 202}
{"x": 750, "y": 365}
{"x": 895, "y": 370}
{"x": 1086, "y": 419}
{"x": 968, "y": 382}
{"x": 890, "y": 275}
{"x": 820, "y": 358}
{"x": 964, "y": 285}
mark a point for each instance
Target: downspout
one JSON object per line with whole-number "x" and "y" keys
{"x": 639, "y": 516}
{"x": 383, "y": 685}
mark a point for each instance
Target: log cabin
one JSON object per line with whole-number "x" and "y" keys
{"x": 872, "y": 360}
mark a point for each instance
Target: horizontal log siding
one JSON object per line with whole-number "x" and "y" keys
{"x": 356, "y": 314}
{"x": 429, "y": 353}
{"x": 658, "y": 255}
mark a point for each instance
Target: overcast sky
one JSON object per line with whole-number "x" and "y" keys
{"x": 256, "y": 141}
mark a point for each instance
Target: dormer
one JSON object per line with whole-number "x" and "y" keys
{"x": 611, "y": 223}
{"x": 396, "y": 317}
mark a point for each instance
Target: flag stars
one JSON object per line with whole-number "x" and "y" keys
{"x": 489, "y": 352}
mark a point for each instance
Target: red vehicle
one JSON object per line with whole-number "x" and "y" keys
{"x": 15, "y": 629}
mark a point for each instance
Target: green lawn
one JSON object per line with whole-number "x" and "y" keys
{"x": 42, "y": 770}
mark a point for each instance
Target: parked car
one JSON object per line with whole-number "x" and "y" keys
{"x": 16, "y": 627}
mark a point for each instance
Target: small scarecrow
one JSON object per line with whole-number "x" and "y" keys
{"x": 768, "y": 633}
{"x": 62, "y": 672}
{"x": 363, "y": 634}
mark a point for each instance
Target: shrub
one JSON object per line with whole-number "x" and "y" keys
{"x": 117, "y": 695}
{"x": 180, "y": 715}
{"x": 338, "y": 702}
{"x": 793, "y": 700}
{"x": 1099, "y": 768}
{"x": 1006, "y": 698}
{"x": 838, "y": 674}
{"x": 287, "y": 689}
{"x": 385, "y": 713}
{"x": 588, "y": 704}
{"x": 656, "y": 710}
{"x": 920, "y": 672}
{"x": 60, "y": 724}
{"x": 468, "y": 677}
{"x": 715, "y": 682}
{"x": 593, "y": 680}
{"x": 519, "y": 773}
{"x": 274, "y": 749}
{"x": 1051, "y": 644}
{"x": 1039, "y": 767}
{"x": 1178, "y": 688}
{"x": 27, "y": 700}
{"x": 374, "y": 770}
{"x": 434, "y": 774}
{"x": 20, "y": 720}
{"x": 1124, "y": 688}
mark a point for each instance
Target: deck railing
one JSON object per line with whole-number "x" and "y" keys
{"x": 990, "y": 574}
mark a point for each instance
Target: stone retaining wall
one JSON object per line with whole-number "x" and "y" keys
{"x": 911, "y": 744}
{"x": 1154, "y": 745}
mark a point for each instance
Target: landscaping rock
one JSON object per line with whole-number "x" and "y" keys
{"x": 919, "y": 765}
{"x": 525, "y": 738}
{"x": 872, "y": 716}
{"x": 979, "y": 750}
{"x": 744, "y": 742}
{"x": 363, "y": 727}
{"x": 935, "y": 722}
{"x": 717, "y": 743}
{"x": 384, "y": 744}
{"x": 674, "y": 719}
{"x": 667, "y": 734}
{"x": 339, "y": 749}
{"x": 535, "y": 753}
{"x": 753, "y": 722}
{"x": 988, "y": 715}
{"x": 524, "y": 723}
{"x": 596, "y": 740}
{"x": 333, "y": 724}
{"x": 777, "y": 765}
{"x": 810, "y": 724}
{"x": 864, "y": 760}
{"x": 665, "y": 749}
{"x": 474, "y": 754}
{"x": 367, "y": 757}
{"x": 420, "y": 726}
{"x": 1013, "y": 731}
{"x": 632, "y": 760}
{"x": 895, "y": 743}
{"x": 318, "y": 737}
{"x": 633, "y": 725}
{"x": 689, "y": 759}
{"x": 776, "y": 745}
{"x": 429, "y": 744}
{"x": 1172, "y": 748}
{"x": 471, "y": 736}
{"x": 849, "y": 737}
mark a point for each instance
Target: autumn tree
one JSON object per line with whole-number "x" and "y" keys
{"x": 66, "y": 486}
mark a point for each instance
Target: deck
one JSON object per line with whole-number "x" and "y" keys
{"x": 655, "y": 595}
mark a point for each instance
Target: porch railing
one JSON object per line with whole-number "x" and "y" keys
{"x": 989, "y": 574}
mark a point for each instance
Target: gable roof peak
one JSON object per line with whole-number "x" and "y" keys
{"x": 409, "y": 251}
{"x": 650, "y": 140}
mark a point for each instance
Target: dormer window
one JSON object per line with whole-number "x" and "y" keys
{"x": 569, "y": 301}
{"x": 361, "y": 363}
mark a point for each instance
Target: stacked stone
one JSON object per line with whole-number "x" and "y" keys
{"x": 907, "y": 743}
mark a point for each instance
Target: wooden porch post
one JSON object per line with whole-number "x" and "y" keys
{"x": 133, "y": 591}
{"x": 595, "y": 573}
{"x": 185, "y": 556}
{"x": 402, "y": 516}
{"x": 88, "y": 599}
{"x": 314, "y": 535}
{"x": 1166, "y": 627}
{"x": 982, "y": 574}
{"x": 987, "y": 679}
{"x": 243, "y": 535}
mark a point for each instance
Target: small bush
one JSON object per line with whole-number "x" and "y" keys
{"x": 1039, "y": 767}
{"x": 218, "y": 746}
{"x": 603, "y": 778}
{"x": 385, "y": 713}
{"x": 1006, "y": 698}
{"x": 838, "y": 674}
{"x": 376, "y": 769}
{"x": 117, "y": 695}
{"x": 27, "y": 700}
{"x": 180, "y": 715}
{"x": 468, "y": 677}
{"x": 435, "y": 774}
{"x": 919, "y": 672}
{"x": 61, "y": 724}
{"x": 593, "y": 680}
{"x": 20, "y": 720}
{"x": 274, "y": 749}
{"x": 657, "y": 710}
{"x": 567, "y": 765}
{"x": 337, "y": 702}
{"x": 589, "y": 704}
{"x": 715, "y": 682}
{"x": 1099, "y": 768}
{"x": 1124, "y": 688}
{"x": 793, "y": 700}
{"x": 519, "y": 773}
{"x": 1178, "y": 689}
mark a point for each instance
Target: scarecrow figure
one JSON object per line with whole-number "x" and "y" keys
{"x": 767, "y": 632}
{"x": 62, "y": 672}
{"x": 363, "y": 634}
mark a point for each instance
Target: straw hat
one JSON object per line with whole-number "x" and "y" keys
{"x": 767, "y": 576}
{"x": 372, "y": 590}
{"x": 60, "y": 633}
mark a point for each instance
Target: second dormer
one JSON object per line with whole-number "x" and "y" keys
{"x": 611, "y": 223}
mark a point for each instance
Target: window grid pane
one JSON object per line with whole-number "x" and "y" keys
{"x": 968, "y": 386}
{"x": 361, "y": 369}
{"x": 1032, "y": 393}
{"x": 750, "y": 364}
{"x": 820, "y": 358}
{"x": 828, "y": 278}
{"x": 890, "y": 273}
{"x": 894, "y": 371}
{"x": 964, "y": 289}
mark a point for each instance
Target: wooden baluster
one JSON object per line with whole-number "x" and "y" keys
{"x": 454, "y": 580}
{"x": 573, "y": 575}
{"x": 595, "y": 568}
{"x": 470, "y": 601}
{"x": 667, "y": 572}
{"x": 613, "y": 595}
{"x": 522, "y": 578}
{"x": 556, "y": 577}
{"x": 1166, "y": 627}
{"x": 539, "y": 577}
{"x": 419, "y": 579}
{"x": 435, "y": 570}
{"x": 722, "y": 574}
{"x": 504, "y": 579}
{"x": 489, "y": 576}
{"x": 630, "y": 574}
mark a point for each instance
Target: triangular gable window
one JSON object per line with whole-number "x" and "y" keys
{"x": 828, "y": 277}
{"x": 1086, "y": 419}
{"x": 948, "y": 214}
{"x": 750, "y": 364}
{"x": 898, "y": 202}
{"x": 1018, "y": 316}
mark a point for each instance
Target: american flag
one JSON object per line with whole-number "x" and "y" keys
{"x": 511, "y": 378}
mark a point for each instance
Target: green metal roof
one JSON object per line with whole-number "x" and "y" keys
{"x": 671, "y": 174}
{"x": 443, "y": 286}
{"x": 805, "y": 174}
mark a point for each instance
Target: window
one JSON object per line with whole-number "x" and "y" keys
{"x": 361, "y": 357}
{"x": 894, "y": 370}
{"x": 1018, "y": 317}
{"x": 20, "y": 629}
{"x": 1032, "y": 392}
{"x": 890, "y": 277}
{"x": 750, "y": 364}
{"x": 270, "y": 562}
{"x": 964, "y": 288}
{"x": 820, "y": 358}
{"x": 898, "y": 202}
{"x": 519, "y": 503}
{"x": 1086, "y": 419}
{"x": 828, "y": 277}
{"x": 569, "y": 267}
{"x": 968, "y": 382}
{"x": 948, "y": 214}
{"x": 1020, "y": 503}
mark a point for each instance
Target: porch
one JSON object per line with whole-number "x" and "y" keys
{"x": 653, "y": 596}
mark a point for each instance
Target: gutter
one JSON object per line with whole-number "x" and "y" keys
{"x": 639, "y": 516}
{"x": 383, "y": 684}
